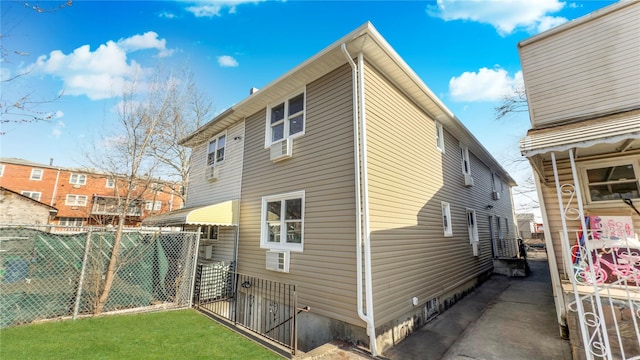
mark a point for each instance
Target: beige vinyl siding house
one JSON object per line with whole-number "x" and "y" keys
{"x": 582, "y": 81}
{"x": 343, "y": 170}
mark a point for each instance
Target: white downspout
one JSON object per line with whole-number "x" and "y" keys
{"x": 362, "y": 205}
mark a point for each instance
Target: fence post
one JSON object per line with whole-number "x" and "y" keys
{"x": 82, "y": 272}
{"x": 194, "y": 264}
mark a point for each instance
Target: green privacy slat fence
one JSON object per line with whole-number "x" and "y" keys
{"x": 45, "y": 275}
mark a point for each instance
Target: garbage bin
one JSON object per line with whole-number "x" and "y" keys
{"x": 17, "y": 269}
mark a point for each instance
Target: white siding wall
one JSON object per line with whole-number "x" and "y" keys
{"x": 587, "y": 70}
{"x": 227, "y": 187}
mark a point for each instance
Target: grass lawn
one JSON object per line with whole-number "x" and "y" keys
{"x": 184, "y": 334}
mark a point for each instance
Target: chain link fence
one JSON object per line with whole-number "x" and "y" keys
{"x": 45, "y": 275}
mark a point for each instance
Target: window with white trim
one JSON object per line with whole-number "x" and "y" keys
{"x": 472, "y": 226}
{"x": 153, "y": 205}
{"x": 209, "y": 232}
{"x": 71, "y": 221}
{"x": 506, "y": 227}
{"x": 215, "y": 153}
{"x": 1, "y": 169}
{"x": 464, "y": 159}
{"x": 35, "y": 195}
{"x": 283, "y": 221}
{"x": 76, "y": 200}
{"x": 36, "y": 174}
{"x": 286, "y": 119}
{"x": 446, "y": 219}
{"x": 111, "y": 183}
{"x": 78, "y": 179}
{"x": 439, "y": 137}
{"x": 611, "y": 180}
{"x": 496, "y": 182}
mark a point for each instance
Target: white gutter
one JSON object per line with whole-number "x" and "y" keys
{"x": 362, "y": 204}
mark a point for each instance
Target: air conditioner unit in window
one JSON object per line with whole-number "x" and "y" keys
{"x": 212, "y": 173}
{"x": 496, "y": 195}
{"x": 281, "y": 150}
{"x": 278, "y": 261}
{"x": 468, "y": 180}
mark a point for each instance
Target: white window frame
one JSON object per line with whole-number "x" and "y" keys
{"x": 446, "y": 219}
{"x": 157, "y": 205}
{"x": 110, "y": 183}
{"x": 286, "y": 119}
{"x": 1, "y": 170}
{"x": 31, "y": 194}
{"x": 499, "y": 228}
{"x": 217, "y": 148}
{"x": 209, "y": 232}
{"x": 439, "y": 137}
{"x": 36, "y": 174}
{"x": 264, "y": 233}
{"x": 465, "y": 160}
{"x": 506, "y": 227}
{"x": 80, "y": 179}
{"x": 496, "y": 182}
{"x": 472, "y": 226}
{"x": 69, "y": 221}
{"x": 583, "y": 167}
{"x": 78, "y": 200}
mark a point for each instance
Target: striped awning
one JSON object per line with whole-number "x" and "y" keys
{"x": 221, "y": 214}
{"x": 609, "y": 129}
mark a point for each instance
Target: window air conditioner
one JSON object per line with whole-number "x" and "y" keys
{"x": 468, "y": 180}
{"x": 496, "y": 195}
{"x": 281, "y": 150}
{"x": 212, "y": 173}
{"x": 278, "y": 261}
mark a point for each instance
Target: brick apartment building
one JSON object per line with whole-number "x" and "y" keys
{"x": 86, "y": 197}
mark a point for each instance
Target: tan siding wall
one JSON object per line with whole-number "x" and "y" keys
{"x": 227, "y": 187}
{"x": 587, "y": 70}
{"x": 322, "y": 165}
{"x": 224, "y": 247}
{"x": 550, "y": 199}
{"x": 408, "y": 179}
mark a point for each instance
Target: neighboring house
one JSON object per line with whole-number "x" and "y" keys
{"x": 526, "y": 226}
{"x": 357, "y": 180}
{"x": 19, "y": 209}
{"x": 582, "y": 82}
{"x": 85, "y": 197}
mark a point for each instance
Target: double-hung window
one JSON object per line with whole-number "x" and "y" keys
{"x": 446, "y": 219}
{"x": 76, "y": 200}
{"x": 1, "y": 169}
{"x": 612, "y": 180}
{"x": 216, "y": 151}
{"x": 439, "y": 137}
{"x": 472, "y": 225}
{"x": 286, "y": 119}
{"x": 36, "y": 174}
{"x": 464, "y": 158}
{"x": 283, "y": 221}
{"x": 153, "y": 205}
{"x": 111, "y": 183}
{"x": 35, "y": 195}
{"x": 78, "y": 179}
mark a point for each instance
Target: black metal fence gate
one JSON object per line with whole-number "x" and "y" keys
{"x": 264, "y": 307}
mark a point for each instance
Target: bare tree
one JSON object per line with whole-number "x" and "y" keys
{"x": 516, "y": 102}
{"x": 125, "y": 155}
{"x": 19, "y": 102}
{"x": 187, "y": 109}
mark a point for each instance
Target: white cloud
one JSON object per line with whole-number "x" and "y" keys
{"x": 57, "y": 129}
{"x": 227, "y": 61}
{"x": 484, "y": 85}
{"x": 104, "y": 72}
{"x": 167, "y": 15}
{"x": 213, "y": 8}
{"x": 505, "y": 15}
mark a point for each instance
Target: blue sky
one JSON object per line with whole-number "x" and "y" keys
{"x": 465, "y": 51}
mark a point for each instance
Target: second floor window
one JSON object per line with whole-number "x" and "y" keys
{"x": 78, "y": 179}
{"x": 439, "y": 137}
{"x": 33, "y": 194}
{"x": 1, "y": 169}
{"x": 76, "y": 200}
{"x": 464, "y": 159}
{"x": 153, "y": 205}
{"x": 110, "y": 183}
{"x": 286, "y": 119}
{"x": 36, "y": 174}
{"x": 216, "y": 150}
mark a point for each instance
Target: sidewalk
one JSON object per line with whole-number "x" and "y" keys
{"x": 505, "y": 318}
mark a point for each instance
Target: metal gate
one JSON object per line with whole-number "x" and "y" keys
{"x": 264, "y": 307}
{"x": 603, "y": 290}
